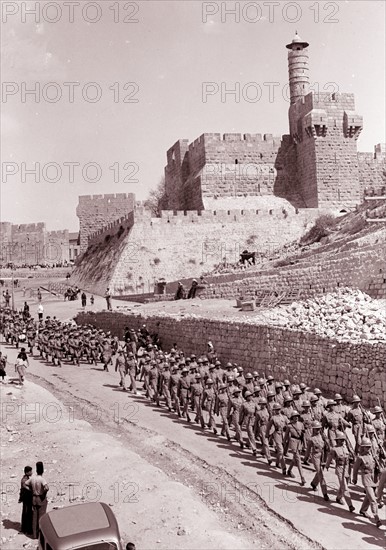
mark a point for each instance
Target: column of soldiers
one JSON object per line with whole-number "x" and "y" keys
{"x": 288, "y": 424}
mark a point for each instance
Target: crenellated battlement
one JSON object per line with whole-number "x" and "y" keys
{"x": 112, "y": 228}
{"x": 215, "y": 216}
{"x": 108, "y": 196}
{"x": 29, "y": 228}
{"x": 96, "y": 211}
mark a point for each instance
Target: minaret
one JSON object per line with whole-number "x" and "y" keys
{"x": 298, "y": 68}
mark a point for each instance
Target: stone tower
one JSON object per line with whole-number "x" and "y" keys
{"x": 298, "y": 69}
{"x": 324, "y": 126}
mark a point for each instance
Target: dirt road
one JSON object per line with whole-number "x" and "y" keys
{"x": 192, "y": 489}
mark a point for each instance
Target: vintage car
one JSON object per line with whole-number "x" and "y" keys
{"x": 88, "y": 526}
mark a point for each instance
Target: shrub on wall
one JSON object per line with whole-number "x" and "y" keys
{"x": 322, "y": 227}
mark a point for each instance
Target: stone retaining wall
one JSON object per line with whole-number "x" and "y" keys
{"x": 319, "y": 362}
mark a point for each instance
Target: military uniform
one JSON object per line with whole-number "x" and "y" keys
{"x": 315, "y": 450}
{"x": 262, "y": 419}
{"x": 222, "y": 409}
{"x": 248, "y": 417}
{"x": 278, "y": 423}
{"x": 342, "y": 458}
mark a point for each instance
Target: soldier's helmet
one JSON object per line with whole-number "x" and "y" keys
{"x": 371, "y": 430}
{"x": 313, "y": 398}
{"x": 248, "y": 376}
{"x": 271, "y": 393}
{"x": 317, "y": 391}
{"x": 365, "y": 442}
{"x": 286, "y": 383}
{"x": 230, "y": 378}
{"x": 338, "y": 397}
{"x": 296, "y": 391}
{"x": 306, "y": 404}
{"x": 356, "y": 399}
{"x": 222, "y": 387}
{"x": 237, "y": 390}
{"x": 209, "y": 381}
{"x": 276, "y": 407}
{"x": 316, "y": 424}
{"x": 247, "y": 394}
{"x": 256, "y": 389}
{"x": 330, "y": 403}
{"x": 197, "y": 376}
{"x": 262, "y": 401}
{"x": 294, "y": 414}
{"x": 278, "y": 385}
{"x": 287, "y": 397}
{"x": 377, "y": 409}
{"x": 340, "y": 435}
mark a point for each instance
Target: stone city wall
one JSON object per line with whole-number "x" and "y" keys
{"x": 96, "y": 211}
{"x": 32, "y": 244}
{"x": 364, "y": 269}
{"x": 319, "y": 362}
{"x": 180, "y": 244}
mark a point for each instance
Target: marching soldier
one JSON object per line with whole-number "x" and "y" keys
{"x": 342, "y": 456}
{"x": 208, "y": 404}
{"x": 248, "y": 416}
{"x": 365, "y": 464}
{"x": 293, "y": 441}
{"x": 355, "y": 416}
{"x": 222, "y": 409}
{"x": 277, "y": 425}
{"x": 261, "y": 423}
{"x": 197, "y": 394}
{"x": 315, "y": 450}
{"x": 236, "y": 404}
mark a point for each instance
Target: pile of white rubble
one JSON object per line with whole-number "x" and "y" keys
{"x": 346, "y": 315}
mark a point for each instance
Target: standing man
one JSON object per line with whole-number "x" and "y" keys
{"x": 25, "y": 497}
{"x": 40, "y": 312}
{"x": 83, "y": 298}
{"x": 39, "y": 490}
{"x": 120, "y": 366}
{"x": 108, "y": 298}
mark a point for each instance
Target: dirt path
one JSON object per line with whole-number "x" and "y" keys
{"x": 161, "y": 494}
{"x": 191, "y": 479}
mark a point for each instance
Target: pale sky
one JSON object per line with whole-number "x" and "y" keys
{"x": 168, "y": 55}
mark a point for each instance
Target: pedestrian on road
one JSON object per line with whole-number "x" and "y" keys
{"x": 40, "y": 312}
{"x": 21, "y": 365}
{"x": 108, "y": 298}
{"x": 39, "y": 490}
{"x": 25, "y": 498}
{"x": 83, "y": 298}
{"x": 120, "y": 366}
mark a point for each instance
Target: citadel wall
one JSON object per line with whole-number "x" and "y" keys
{"x": 181, "y": 243}
{"x": 326, "y": 363}
{"x": 95, "y": 211}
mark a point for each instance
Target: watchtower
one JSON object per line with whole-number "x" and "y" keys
{"x": 324, "y": 127}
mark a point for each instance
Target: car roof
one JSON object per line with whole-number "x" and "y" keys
{"x": 80, "y": 524}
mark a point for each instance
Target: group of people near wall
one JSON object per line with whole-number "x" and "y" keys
{"x": 286, "y": 424}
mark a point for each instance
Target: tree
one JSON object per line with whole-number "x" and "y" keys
{"x": 156, "y": 200}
